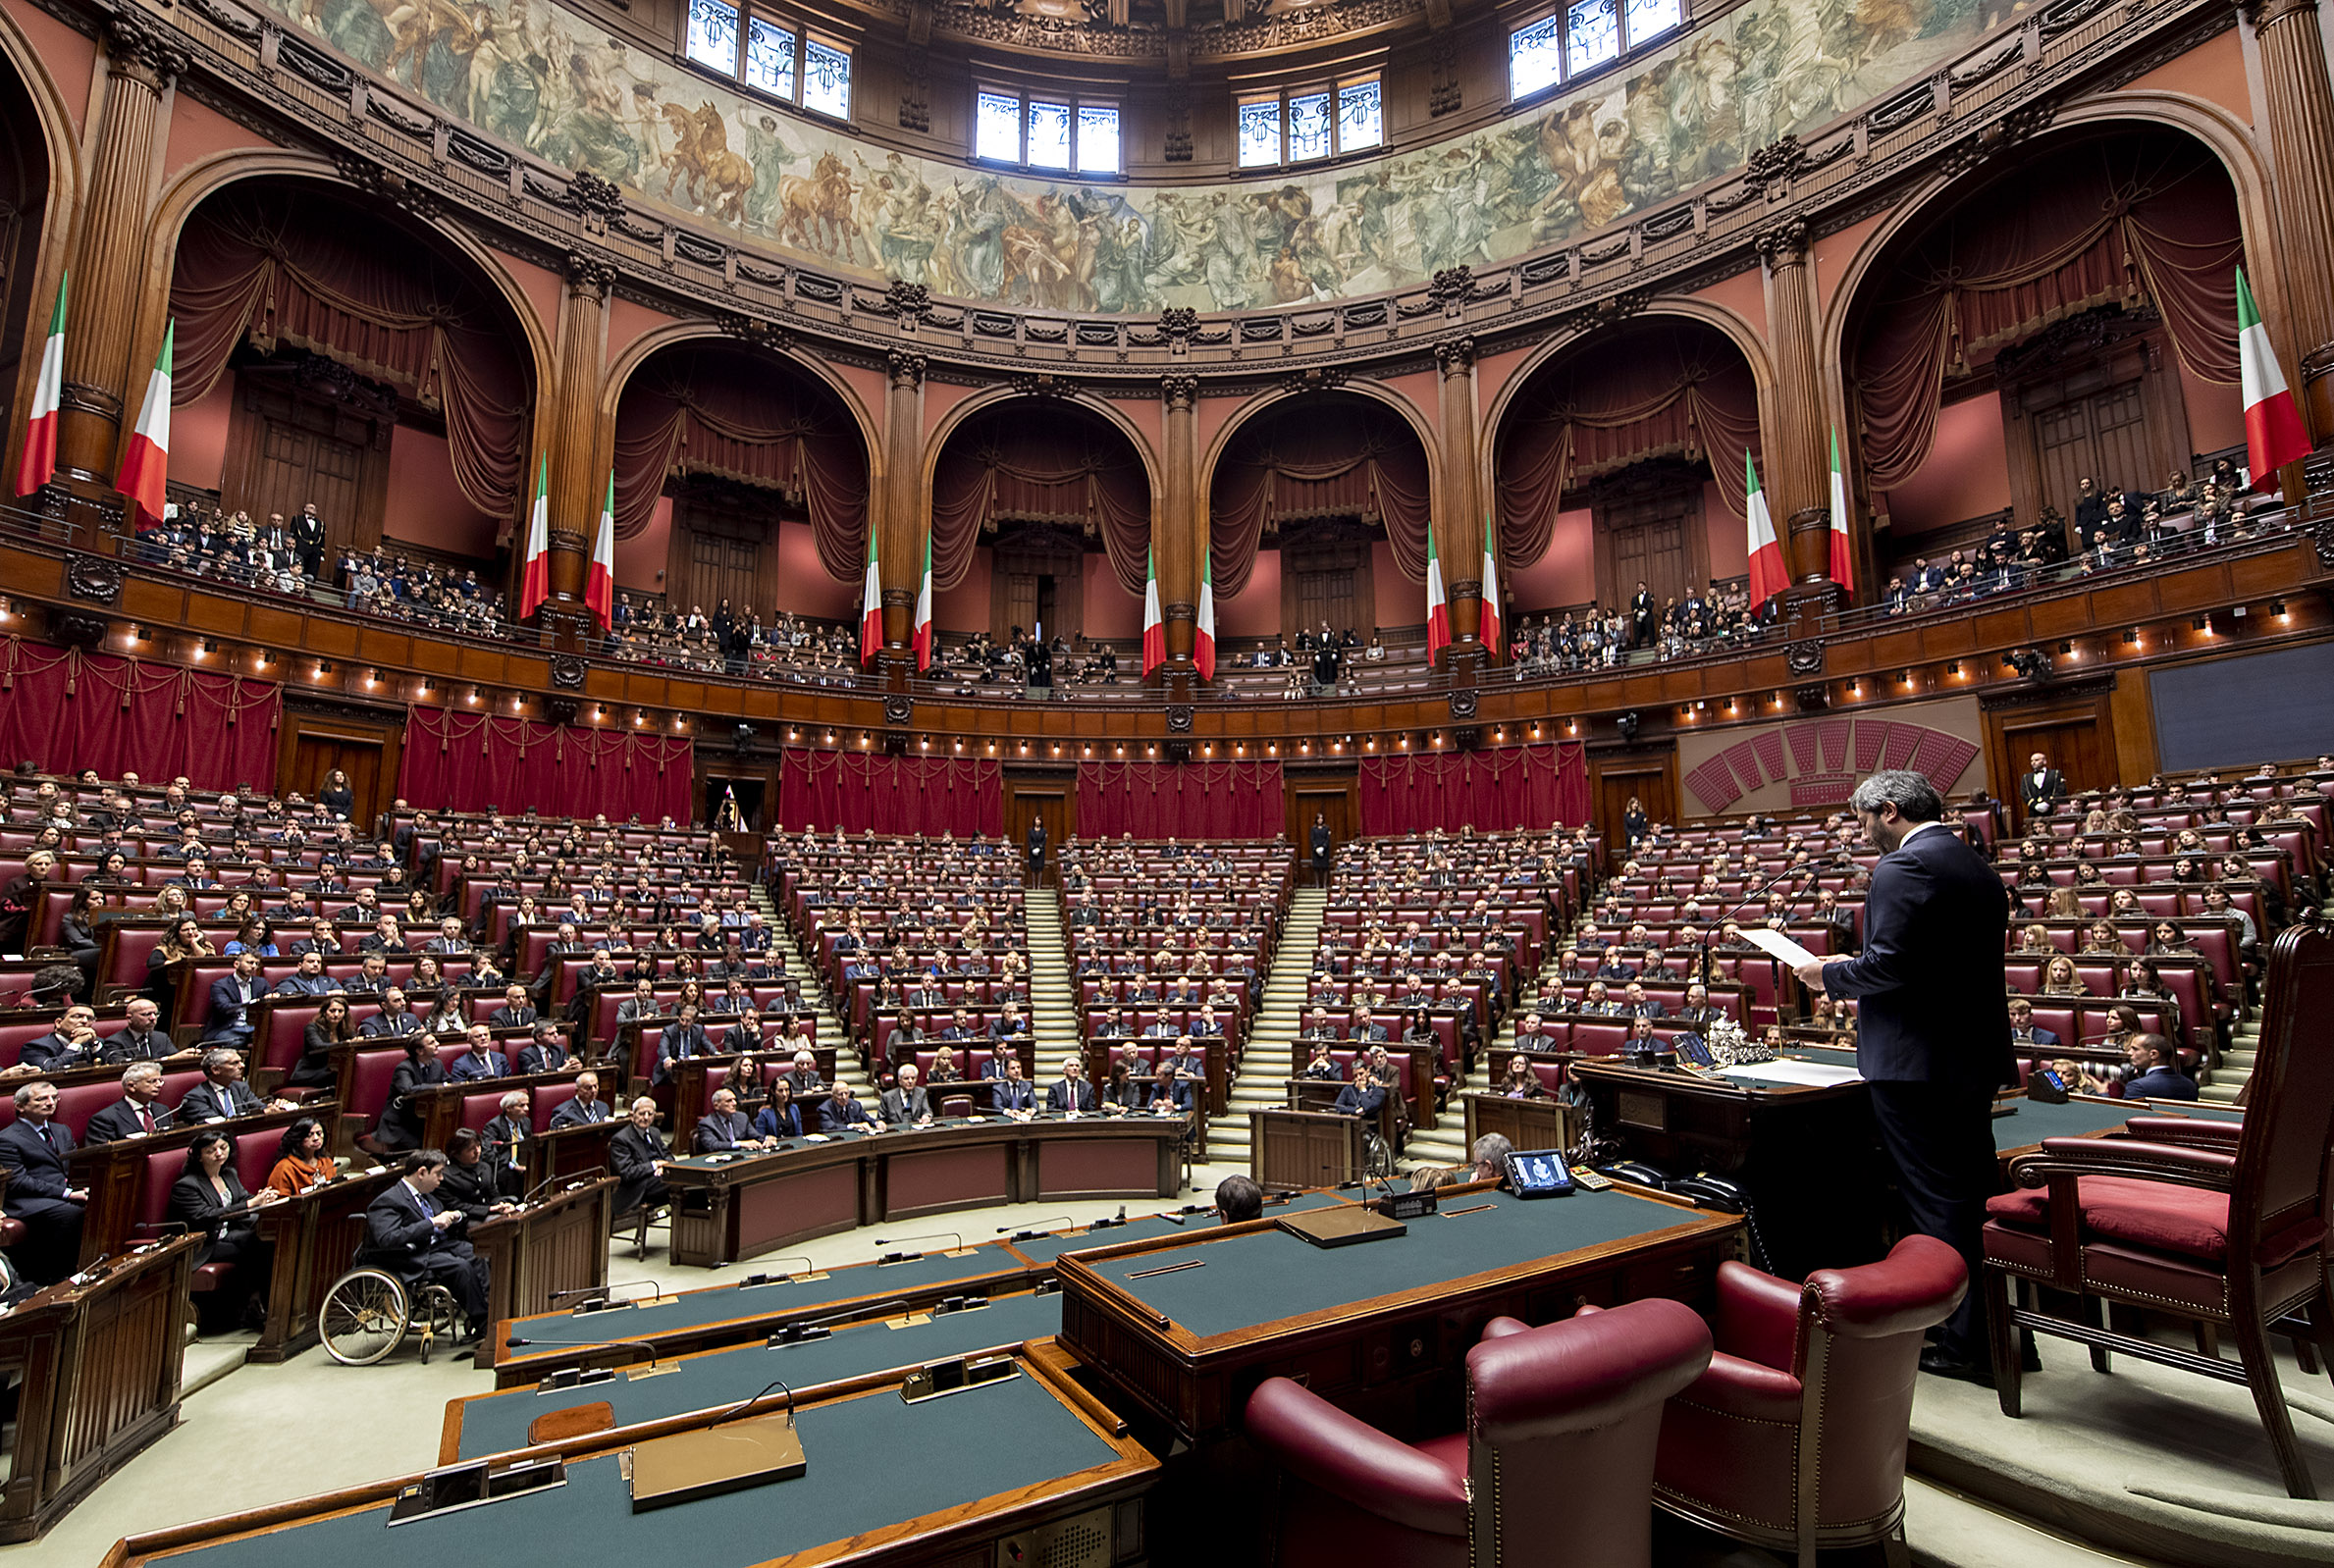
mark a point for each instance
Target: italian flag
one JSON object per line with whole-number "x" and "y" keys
{"x": 1203, "y": 646}
{"x": 1768, "y": 576}
{"x": 1154, "y": 627}
{"x": 924, "y": 609}
{"x": 146, "y": 466}
{"x": 1487, "y": 623}
{"x": 600, "y": 588}
{"x": 2273, "y": 432}
{"x": 534, "y": 581}
{"x": 1438, "y": 611}
{"x": 871, "y": 604}
{"x": 38, "y": 465}
{"x": 1843, "y": 565}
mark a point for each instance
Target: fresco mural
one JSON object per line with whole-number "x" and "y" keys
{"x": 535, "y": 74}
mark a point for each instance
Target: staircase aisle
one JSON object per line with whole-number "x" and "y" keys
{"x": 2221, "y": 1084}
{"x": 1053, "y": 1006}
{"x": 1263, "y": 1075}
{"x": 1447, "y": 1142}
{"x": 849, "y": 1064}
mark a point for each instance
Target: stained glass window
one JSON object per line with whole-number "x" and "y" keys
{"x": 1650, "y": 19}
{"x": 826, "y": 78}
{"x": 1592, "y": 35}
{"x": 1260, "y": 132}
{"x": 1050, "y": 136}
{"x": 1308, "y": 126}
{"x": 1361, "y": 116}
{"x": 712, "y": 34}
{"x": 1535, "y": 57}
{"x": 996, "y": 127}
{"x": 769, "y": 57}
{"x": 1097, "y": 139}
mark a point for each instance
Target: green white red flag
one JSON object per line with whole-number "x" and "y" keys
{"x": 1768, "y": 575}
{"x": 39, "y": 464}
{"x": 2273, "y": 430}
{"x": 1154, "y": 627}
{"x": 871, "y": 606}
{"x": 146, "y": 466}
{"x": 600, "y": 587}
{"x": 924, "y": 609}
{"x": 534, "y": 581}
{"x": 1843, "y": 563}
{"x": 1203, "y": 644}
{"x": 1438, "y": 609}
{"x": 1487, "y": 621}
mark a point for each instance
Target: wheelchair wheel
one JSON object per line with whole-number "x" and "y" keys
{"x": 435, "y": 1314}
{"x": 1377, "y": 1158}
{"x": 363, "y": 1317}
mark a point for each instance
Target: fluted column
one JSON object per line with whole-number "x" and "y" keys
{"x": 1180, "y": 531}
{"x": 578, "y": 484}
{"x": 2299, "y": 108}
{"x": 1458, "y": 519}
{"x": 898, "y": 516}
{"x": 1797, "y": 467}
{"x": 111, "y": 257}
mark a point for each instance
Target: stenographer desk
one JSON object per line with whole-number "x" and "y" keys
{"x": 1186, "y": 1326}
{"x": 996, "y": 1472}
{"x": 728, "y": 1207}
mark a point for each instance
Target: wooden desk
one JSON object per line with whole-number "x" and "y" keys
{"x": 903, "y": 1485}
{"x": 690, "y": 1100}
{"x": 730, "y": 1208}
{"x": 1373, "y": 1325}
{"x": 571, "y": 1151}
{"x": 1289, "y": 1149}
{"x": 440, "y": 1105}
{"x": 1425, "y": 1061}
{"x": 555, "y": 1246}
{"x": 1542, "y": 1124}
{"x": 1320, "y": 1095}
{"x": 96, "y": 1367}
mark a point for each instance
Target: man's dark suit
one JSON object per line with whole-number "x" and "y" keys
{"x": 124, "y": 1120}
{"x": 1012, "y": 1094}
{"x": 717, "y": 1131}
{"x": 218, "y": 1102}
{"x": 1067, "y": 1094}
{"x": 227, "y": 1005}
{"x": 577, "y": 1114}
{"x": 904, "y": 1106}
{"x": 632, "y": 1156}
{"x": 131, "y": 1046}
{"x": 1933, "y": 1040}
{"x": 35, "y": 1159}
{"x": 2039, "y": 794}
{"x": 1354, "y": 1101}
{"x": 399, "y": 1237}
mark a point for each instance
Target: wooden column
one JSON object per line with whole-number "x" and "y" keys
{"x": 2299, "y": 104}
{"x": 898, "y": 514}
{"x": 111, "y": 257}
{"x": 1458, "y": 520}
{"x": 578, "y": 484}
{"x": 1179, "y": 532}
{"x": 1798, "y": 469}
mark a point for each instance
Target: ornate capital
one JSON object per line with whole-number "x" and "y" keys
{"x": 1457, "y": 357}
{"x": 755, "y": 331}
{"x": 907, "y": 370}
{"x": 1040, "y": 384}
{"x": 1783, "y": 246}
{"x": 589, "y": 276}
{"x": 1180, "y": 393}
{"x": 1452, "y": 286}
{"x": 135, "y": 47}
{"x": 2267, "y": 14}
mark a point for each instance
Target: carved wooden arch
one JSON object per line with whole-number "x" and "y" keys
{"x": 208, "y": 177}
{"x": 994, "y": 396}
{"x": 1429, "y": 438}
{"x": 62, "y": 144}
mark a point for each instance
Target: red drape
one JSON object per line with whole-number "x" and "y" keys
{"x": 297, "y": 267}
{"x": 468, "y": 761}
{"x": 713, "y": 408}
{"x": 1333, "y": 458}
{"x": 1046, "y": 462}
{"x": 1190, "y": 801}
{"x": 2150, "y": 220}
{"x": 65, "y": 711}
{"x": 1664, "y": 390}
{"x": 860, "y": 791}
{"x": 1491, "y": 791}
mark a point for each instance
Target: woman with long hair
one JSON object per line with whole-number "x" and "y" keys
{"x": 330, "y": 1027}
{"x": 209, "y": 1197}
{"x": 301, "y": 1160}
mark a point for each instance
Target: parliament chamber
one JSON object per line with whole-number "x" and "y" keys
{"x": 979, "y": 782}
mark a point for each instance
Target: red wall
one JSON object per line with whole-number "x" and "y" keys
{"x": 426, "y": 507}
{"x": 965, "y": 607}
{"x": 198, "y": 437}
{"x": 640, "y": 559}
{"x": 804, "y": 588}
{"x": 2215, "y": 414}
{"x": 1400, "y": 602}
{"x": 1728, "y": 535}
{"x": 1256, "y": 612}
{"x": 1967, "y": 473}
{"x": 1566, "y": 575}
{"x": 1110, "y": 610}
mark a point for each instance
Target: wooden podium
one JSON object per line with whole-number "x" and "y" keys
{"x": 1290, "y": 1149}
{"x": 557, "y": 1244}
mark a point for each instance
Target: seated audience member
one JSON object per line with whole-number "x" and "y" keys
{"x": 479, "y": 1058}
{"x": 1490, "y": 1155}
{"x": 394, "y": 1021}
{"x": 504, "y": 1139}
{"x": 72, "y": 1043}
{"x": 399, "y": 1126}
{"x": 136, "y": 1113}
{"x": 546, "y": 1052}
{"x": 803, "y": 1078}
{"x": 780, "y": 1117}
{"x": 2025, "y": 1036}
{"x": 725, "y": 1126}
{"x": 2156, "y": 1074}
{"x": 1363, "y": 1097}
{"x": 328, "y": 1031}
{"x": 1319, "y": 1066}
{"x": 222, "y": 1095}
{"x": 840, "y": 1110}
{"x": 1168, "y": 1093}
{"x": 232, "y": 995}
{"x": 908, "y": 1103}
{"x": 1013, "y": 1096}
{"x": 1521, "y": 1082}
{"x": 1071, "y": 1093}
{"x": 516, "y": 1012}
{"x": 637, "y": 1157}
{"x": 1239, "y": 1198}
{"x": 301, "y": 1160}
{"x": 35, "y": 1150}
{"x": 409, "y": 1233}
{"x": 141, "y": 1038}
{"x": 586, "y": 1108}
{"x": 475, "y": 1183}
{"x": 683, "y": 1037}
{"x": 209, "y": 1198}
{"x": 944, "y": 1068}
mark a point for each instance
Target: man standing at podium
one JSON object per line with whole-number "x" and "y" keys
{"x": 1932, "y": 1037}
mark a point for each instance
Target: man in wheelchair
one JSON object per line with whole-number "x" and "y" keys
{"x": 408, "y": 1233}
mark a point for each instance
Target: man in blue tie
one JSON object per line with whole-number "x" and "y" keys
{"x": 585, "y": 1109}
{"x": 1012, "y": 1094}
{"x": 33, "y": 1151}
{"x": 408, "y": 1233}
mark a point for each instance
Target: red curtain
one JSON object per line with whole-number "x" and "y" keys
{"x": 468, "y": 761}
{"x": 1493, "y": 791}
{"x": 2146, "y": 220}
{"x": 1041, "y": 462}
{"x": 1335, "y": 457}
{"x": 1659, "y": 390}
{"x": 713, "y": 408}
{"x": 1190, "y": 801}
{"x": 64, "y": 710}
{"x": 861, "y": 791}
{"x": 279, "y": 265}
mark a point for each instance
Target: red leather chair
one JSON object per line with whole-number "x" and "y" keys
{"x": 1795, "y": 1439}
{"x": 1559, "y": 1448}
{"x": 2223, "y": 1226}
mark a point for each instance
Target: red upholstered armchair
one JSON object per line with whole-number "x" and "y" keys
{"x": 1562, "y": 1425}
{"x": 1795, "y": 1437}
{"x": 2224, "y": 1228}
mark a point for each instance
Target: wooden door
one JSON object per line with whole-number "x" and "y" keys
{"x": 721, "y": 568}
{"x": 1038, "y": 578}
{"x": 316, "y": 752}
{"x": 1617, "y": 785}
{"x": 1334, "y": 804}
{"x": 299, "y": 433}
{"x": 1048, "y": 806}
{"x": 2075, "y": 744}
{"x": 1648, "y": 526}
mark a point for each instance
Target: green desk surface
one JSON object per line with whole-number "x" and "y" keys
{"x": 495, "y": 1422}
{"x": 1265, "y": 1275}
{"x": 874, "y": 1462}
{"x": 1043, "y": 1250}
{"x": 778, "y": 1299}
{"x": 2035, "y": 1121}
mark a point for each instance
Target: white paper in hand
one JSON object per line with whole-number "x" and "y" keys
{"x": 1778, "y": 946}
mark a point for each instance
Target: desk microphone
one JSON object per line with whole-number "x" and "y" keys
{"x": 600, "y": 1294}
{"x": 1030, "y": 1234}
{"x": 911, "y": 1257}
{"x": 517, "y": 1342}
{"x": 805, "y": 1328}
{"x": 752, "y": 1279}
